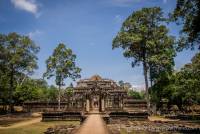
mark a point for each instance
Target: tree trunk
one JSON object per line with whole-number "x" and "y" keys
{"x": 150, "y": 75}
{"x": 11, "y": 107}
{"x": 59, "y": 98}
{"x": 146, "y": 86}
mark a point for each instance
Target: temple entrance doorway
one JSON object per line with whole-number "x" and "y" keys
{"x": 95, "y": 103}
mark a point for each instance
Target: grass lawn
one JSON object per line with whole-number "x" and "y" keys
{"x": 37, "y": 128}
{"x": 10, "y": 121}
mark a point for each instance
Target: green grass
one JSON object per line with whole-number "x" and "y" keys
{"x": 37, "y": 128}
{"x": 9, "y": 122}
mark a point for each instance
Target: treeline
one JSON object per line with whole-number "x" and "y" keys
{"x": 181, "y": 88}
{"x": 18, "y": 60}
{"x": 131, "y": 91}
{"x": 145, "y": 39}
{"x": 30, "y": 90}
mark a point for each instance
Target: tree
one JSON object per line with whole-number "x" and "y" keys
{"x": 125, "y": 85}
{"x": 18, "y": 55}
{"x": 187, "y": 13}
{"x": 163, "y": 89}
{"x": 121, "y": 83}
{"x": 135, "y": 94}
{"x": 144, "y": 37}
{"x": 32, "y": 90}
{"x": 4, "y": 88}
{"x": 181, "y": 88}
{"x": 62, "y": 65}
{"x": 52, "y": 94}
{"x": 188, "y": 81}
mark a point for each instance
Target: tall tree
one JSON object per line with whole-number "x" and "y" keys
{"x": 144, "y": 37}
{"x": 189, "y": 81}
{"x": 18, "y": 55}
{"x": 62, "y": 65}
{"x": 181, "y": 88}
{"x": 187, "y": 13}
{"x": 125, "y": 85}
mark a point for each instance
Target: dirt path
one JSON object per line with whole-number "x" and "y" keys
{"x": 94, "y": 124}
{"x": 23, "y": 123}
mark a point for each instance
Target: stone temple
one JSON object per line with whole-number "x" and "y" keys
{"x": 97, "y": 94}
{"x": 91, "y": 95}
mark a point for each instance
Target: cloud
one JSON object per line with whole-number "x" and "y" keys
{"x": 27, "y": 5}
{"x": 34, "y": 34}
{"x": 139, "y": 87}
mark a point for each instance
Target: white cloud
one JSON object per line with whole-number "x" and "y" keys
{"x": 26, "y": 5}
{"x": 139, "y": 87}
{"x": 35, "y": 33}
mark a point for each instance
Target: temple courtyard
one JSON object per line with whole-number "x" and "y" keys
{"x": 96, "y": 106}
{"x": 94, "y": 124}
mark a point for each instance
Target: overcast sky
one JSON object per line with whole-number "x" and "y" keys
{"x": 87, "y": 27}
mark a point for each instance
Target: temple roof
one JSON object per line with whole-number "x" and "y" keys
{"x": 95, "y": 78}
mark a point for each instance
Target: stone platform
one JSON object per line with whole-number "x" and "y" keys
{"x": 64, "y": 116}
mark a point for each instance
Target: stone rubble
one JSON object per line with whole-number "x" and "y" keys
{"x": 61, "y": 129}
{"x": 148, "y": 127}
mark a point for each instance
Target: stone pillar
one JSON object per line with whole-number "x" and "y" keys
{"x": 102, "y": 105}
{"x": 121, "y": 103}
{"x": 87, "y": 105}
{"x": 106, "y": 103}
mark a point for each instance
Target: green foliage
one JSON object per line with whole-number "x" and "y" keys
{"x": 121, "y": 83}
{"x": 35, "y": 90}
{"x": 135, "y": 94}
{"x": 27, "y": 92}
{"x": 181, "y": 88}
{"x": 125, "y": 85}
{"x": 144, "y": 38}
{"x": 69, "y": 90}
{"x": 4, "y": 86}
{"x": 17, "y": 57}
{"x": 189, "y": 81}
{"x": 128, "y": 87}
{"x": 187, "y": 13}
{"x": 31, "y": 90}
{"x": 18, "y": 53}
{"x": 62, "y": 65}
{"x": 52, "y": 93}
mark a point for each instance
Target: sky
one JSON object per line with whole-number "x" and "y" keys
{"x": 88, "y": 28}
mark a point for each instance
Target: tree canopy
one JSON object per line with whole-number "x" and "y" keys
{"x": 181, "y": 88}
{"x": 187, "y": 13}
{"x": 145, "y": 39}
{"x": 62, "y": 65}
{"x": 17, "y": 56}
